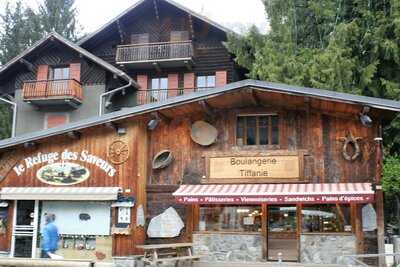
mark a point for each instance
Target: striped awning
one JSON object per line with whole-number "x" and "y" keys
{"x": 59, "y": 193}
{"x": 275, "y": 193}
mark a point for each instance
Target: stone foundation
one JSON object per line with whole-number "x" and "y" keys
{"x": 326, "y": 249}
{"x": 228, "y": 247}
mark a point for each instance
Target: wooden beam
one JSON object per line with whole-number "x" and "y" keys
{"x": 75, "y": 135}
{"x": 161, "y": 116}
{"x": 379, "y": 201}
{"x": 264, "y": 230}
{"x": 120, "y": 31}
{"x": 27, "y": 64}
{"x": 156, "y": 10}
{"x": 191, "y": 26}
{"x": 299, "y": 207}
{"x": 157, "y": 66}
{"x": 210, "y": 111}
{"x": 188, "y": 65}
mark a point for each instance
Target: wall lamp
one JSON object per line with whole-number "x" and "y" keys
{"x": 153, "y": 123}
{"x": 118, "y": 128}
{"x": 364, "y": 118}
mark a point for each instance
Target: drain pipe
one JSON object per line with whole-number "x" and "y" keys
{"x": 14, "y": 119}
{"x": 112, "y": 92}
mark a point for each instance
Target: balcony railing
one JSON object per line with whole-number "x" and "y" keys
{"x": 154, "y": 52}
{"x": 152, "y": 96}
{"x": 52, "y": 89}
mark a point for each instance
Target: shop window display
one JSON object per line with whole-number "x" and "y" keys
{"x": 326, "y": 218}
{"x": 230, "y": 218}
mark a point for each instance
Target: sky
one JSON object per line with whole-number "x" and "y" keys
{"x": 235, "y": 14}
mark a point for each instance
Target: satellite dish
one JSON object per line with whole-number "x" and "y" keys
{"x": 162, "y": 159}
{"x": 203, "y": 133}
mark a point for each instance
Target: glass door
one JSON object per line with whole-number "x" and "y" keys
{"x": 282, "y": 233}
{"x": 24, "y": 231}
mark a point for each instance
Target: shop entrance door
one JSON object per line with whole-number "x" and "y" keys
{"x": 282, "y": 233}
{"x": 24, "y": 231}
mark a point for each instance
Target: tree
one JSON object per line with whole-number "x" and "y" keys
{"x": 391, "y": 186}
{"x": 59, "y": 16}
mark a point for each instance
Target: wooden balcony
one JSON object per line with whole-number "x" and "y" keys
{"x": 53, "y": 92}
{"x": 156, "y": 55}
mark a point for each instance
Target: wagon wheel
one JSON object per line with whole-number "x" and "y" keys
{"x": 118, "y": 152}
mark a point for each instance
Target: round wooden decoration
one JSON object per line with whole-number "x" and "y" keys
{"x": 118, "y": 152}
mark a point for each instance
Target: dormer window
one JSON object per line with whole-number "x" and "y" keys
{"x": 59, "y": 73}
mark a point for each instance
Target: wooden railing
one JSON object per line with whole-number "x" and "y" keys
{"x": 152, "y": 96}
{"x": 46, "y": 89}
{"x": 154, "y": 51}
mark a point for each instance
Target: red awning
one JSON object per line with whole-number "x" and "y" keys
{"x": 275, "y": 193}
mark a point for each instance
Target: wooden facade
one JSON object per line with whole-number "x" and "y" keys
{"x": 312, "y": 127}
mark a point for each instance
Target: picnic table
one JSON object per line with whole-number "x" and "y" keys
{"x": 164, "y": 253}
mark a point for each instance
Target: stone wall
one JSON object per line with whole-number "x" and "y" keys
{"x": 228, "y": 247}
{"x": 326, "y": 249}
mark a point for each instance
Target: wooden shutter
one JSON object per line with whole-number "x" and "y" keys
{"x": 220, "y": 78}
{"x": 42, "y": 77}
{"x": 75, "y": 71}
{"x": 173, "y": 80}
{"x": 188, "y": 82}
{"x": 42, "y": 73}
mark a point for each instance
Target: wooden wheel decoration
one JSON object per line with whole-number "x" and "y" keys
{"x": 118, "y": 152}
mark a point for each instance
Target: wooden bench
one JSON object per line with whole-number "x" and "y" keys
{"x": 153, "y": 255}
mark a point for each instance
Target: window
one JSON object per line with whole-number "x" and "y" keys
{"x": 54, "y": 119}
{"x": 326, "y": 218}
{"x": 159, "y": 88}
{"x": 59, "y": 73}
{"x": 257, "y": 130}
{"x": 230, "y": 218}
{"x": 204, "y": 82}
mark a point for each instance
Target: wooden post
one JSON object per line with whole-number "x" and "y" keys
{"x": 356, "y": 227}
{"x": 379, "y": 200}
{"x": 264, "y": 230}
{"x": 299, "y": 222}
{"x": 141, "y": 182}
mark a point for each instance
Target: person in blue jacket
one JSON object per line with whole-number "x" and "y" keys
{"x": 49, "y": 236}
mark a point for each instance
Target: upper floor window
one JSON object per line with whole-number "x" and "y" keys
{"x": 159, "y": 88}
{"x": 257, "y": 130}
{"x": 204, "y": 82}
{"x": 59, "y": 73}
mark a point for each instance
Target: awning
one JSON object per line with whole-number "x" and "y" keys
{"x": 275, "y": 193}
{"x": 59, "y": 193}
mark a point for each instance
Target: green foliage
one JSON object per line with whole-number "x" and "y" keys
{"x": 5, "y": 121}
{"x": 391, "y": 175}
{"x": 349, "y": 46}
{"x": 22, "y": 26}
{"x": 59, "y": 16}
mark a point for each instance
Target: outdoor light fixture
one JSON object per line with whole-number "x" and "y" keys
{"x": 364, "y": 118}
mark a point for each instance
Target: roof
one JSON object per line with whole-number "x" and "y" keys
{"x": 71, "y": 45}
{"x": 137, "y": 4}
{"x": 378, "y": 103}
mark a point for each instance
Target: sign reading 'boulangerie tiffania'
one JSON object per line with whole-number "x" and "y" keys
{"x": 63, "y": 159}
{"x": 240, "y": 167}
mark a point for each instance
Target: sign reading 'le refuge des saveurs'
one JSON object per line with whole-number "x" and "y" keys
{"x": 259, "y": 167}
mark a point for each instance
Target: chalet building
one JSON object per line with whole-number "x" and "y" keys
{"x": 144, "y": 132}
{"x": 153, "y": 51}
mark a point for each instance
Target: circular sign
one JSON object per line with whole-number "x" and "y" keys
{"x": 64, "y": 173}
